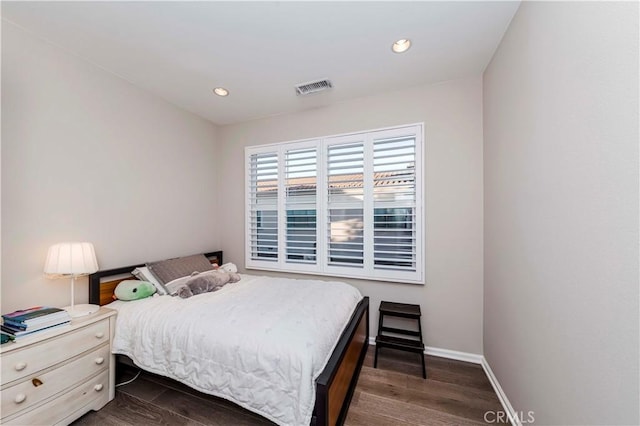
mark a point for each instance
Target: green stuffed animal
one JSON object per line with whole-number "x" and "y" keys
{"x": 134, "y": 290}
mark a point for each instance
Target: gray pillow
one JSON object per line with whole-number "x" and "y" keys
{"x": 171, "y": 269}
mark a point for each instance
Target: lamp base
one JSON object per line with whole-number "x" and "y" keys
{"x": 81, "y": 310}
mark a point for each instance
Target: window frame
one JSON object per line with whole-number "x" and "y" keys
{"x": 321, "y": 265}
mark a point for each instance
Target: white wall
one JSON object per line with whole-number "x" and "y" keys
{"x": 451, "y": 300}
{"x": 89, "y": 157}
{"x": 561, "y": 212}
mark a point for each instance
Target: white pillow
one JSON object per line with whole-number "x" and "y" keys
{"x": 144, "y": 274}
{"x": 175, "y": 285}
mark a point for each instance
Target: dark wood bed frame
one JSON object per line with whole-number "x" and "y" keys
{"x": 336, "y": 383}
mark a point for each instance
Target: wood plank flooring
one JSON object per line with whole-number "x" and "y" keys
{"x": 455, "y": 393}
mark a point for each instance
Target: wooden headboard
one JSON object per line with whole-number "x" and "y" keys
{"x": 103, "y": 283}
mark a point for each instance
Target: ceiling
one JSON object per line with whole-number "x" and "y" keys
{"x": 258, "y": 51}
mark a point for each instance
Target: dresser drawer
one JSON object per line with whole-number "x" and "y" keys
{"x": 92, "y": 390}
{"x": 25, "y": 362}
{"x": 41, "y": 386}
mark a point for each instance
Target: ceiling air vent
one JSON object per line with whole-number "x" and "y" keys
{"x": 313, "y": 87}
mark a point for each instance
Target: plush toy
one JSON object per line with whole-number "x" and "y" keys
{"x": 205, "y": 283}
{"x": 228, "y": 267}
{"x": 133, "y": 290}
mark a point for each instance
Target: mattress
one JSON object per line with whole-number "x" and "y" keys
{"x": 260, "y": 342}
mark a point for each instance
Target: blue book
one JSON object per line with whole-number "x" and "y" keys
{"x": 37, "y": 325}
{"x": 20, "y": 333}
{"x": 16, "y": 325}
{"x": 32, "y": 313}
{"x": 37, "y": 318}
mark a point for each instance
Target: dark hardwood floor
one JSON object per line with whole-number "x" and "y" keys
{"x": 454, "y": 393}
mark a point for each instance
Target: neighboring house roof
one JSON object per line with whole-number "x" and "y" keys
{"x": 342, "y": 181}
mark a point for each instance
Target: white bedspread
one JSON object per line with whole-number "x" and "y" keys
{"x": 260, "y": 343}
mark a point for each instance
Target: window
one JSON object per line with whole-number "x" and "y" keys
{"x": 300, "y": 198}
{"x": 264, "y": 210}
{"x": 348, "y": 205}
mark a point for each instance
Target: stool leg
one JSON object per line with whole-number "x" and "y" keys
{"x": 424, "y": 369}
{"x": 375, "y": 358}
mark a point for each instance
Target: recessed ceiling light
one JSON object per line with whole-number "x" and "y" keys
{"x": 221, "y": 91}
{"x": 401, "y": 45}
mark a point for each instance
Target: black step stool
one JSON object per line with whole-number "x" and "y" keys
{"x": 402, "y": 310}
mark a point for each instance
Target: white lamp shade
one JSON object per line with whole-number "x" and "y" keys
{"x": 71, "y": 259}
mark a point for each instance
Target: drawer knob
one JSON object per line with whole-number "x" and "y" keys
{"x": 20, "y": 366}
{"x": 20, "y": 398}
{"x": 99, "y": 335}
{"x": 99, "y": 360}
{"x": 98, "y": 387}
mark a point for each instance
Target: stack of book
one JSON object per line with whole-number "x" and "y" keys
{"x": 28, "y": 321}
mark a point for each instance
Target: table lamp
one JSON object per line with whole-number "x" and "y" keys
{"x": 72, "y": 260}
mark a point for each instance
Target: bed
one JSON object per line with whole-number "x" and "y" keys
{"x": 332, "y": 370}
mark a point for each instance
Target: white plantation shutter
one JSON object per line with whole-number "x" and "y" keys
{"x": 263, "y": 202}
{"x": 345, "y": 195}
{"x": 347, "y": 205}
{"x": 394, "y": 204}
{"x": 301, "y": 188}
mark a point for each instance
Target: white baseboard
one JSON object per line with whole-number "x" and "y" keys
{"x": 506, "y": 405}
{"x": 475, "y": 359}
{"x": 457, "y": 355}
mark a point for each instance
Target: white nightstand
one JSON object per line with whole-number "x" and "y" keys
{"x": 56, "y": 376}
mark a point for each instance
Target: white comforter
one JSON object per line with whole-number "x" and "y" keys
{"x": 260, "y": 343}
